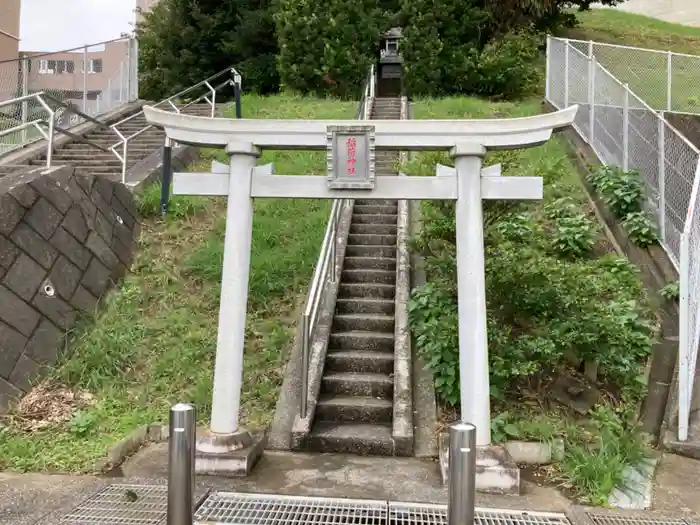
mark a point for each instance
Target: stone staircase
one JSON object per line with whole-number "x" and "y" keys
{"x": 355, "y": 408}
{"x": 90, "y": 160}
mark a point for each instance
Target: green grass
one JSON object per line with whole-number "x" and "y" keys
{"x": 646, "y": 73}
{"x": 619, "y": 27}
{"x": 599, "y": 447}
{"x": 153, "y": 342}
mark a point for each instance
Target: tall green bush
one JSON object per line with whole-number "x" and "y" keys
{"x": 327, "y": 46}
{"x": 182, "y": 42}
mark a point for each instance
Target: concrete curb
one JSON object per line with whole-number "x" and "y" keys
{"x": 637, "y": 492}
{"x": 425, "y": 413}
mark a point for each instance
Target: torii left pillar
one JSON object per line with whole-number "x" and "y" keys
{"x": 225, "y": 447}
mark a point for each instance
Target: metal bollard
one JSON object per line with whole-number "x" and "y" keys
{"x": 462, "y": 474}
{"x": 181, "y": 450}
{"x": 167, "y": 177}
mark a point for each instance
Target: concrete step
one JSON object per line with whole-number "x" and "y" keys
{"x": 376, "y": 202}
{"x": 364, "y": 322}
{"x": 370, "y": 263}
{"x": 365, "y": 275}
{"x": 362, "y": 305}
{"x": 375, "y": 228}
{"x": 358, "y": 384}
{"x": 370, "y": 341}
{"x": 365, "y": 439}
{"x": 365, "y": 240}
{"x": 81, "y": 170}
{"x": 374, "y": 218}
{"x": 368, "y": 250}
{"x": 367, "y": 290}
{"x": 374, "y": 210}
{"x": 95, "y": 157}
{"x": 354, "y": 408}
{"x": 361, "y": 361}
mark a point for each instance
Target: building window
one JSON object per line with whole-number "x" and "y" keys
{"x": 47, "y": 67}
{"x": 94, "y": 65}
{"x": 65, "y": 66}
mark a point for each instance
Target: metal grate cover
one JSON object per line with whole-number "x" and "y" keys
{"x": 122, "y": 505}
{"x": 259, "y": 509}
{"x": 637, "y": 518}
{"x": 425, "y": 514}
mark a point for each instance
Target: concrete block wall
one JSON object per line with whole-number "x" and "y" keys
{"x": 64, "y": 240}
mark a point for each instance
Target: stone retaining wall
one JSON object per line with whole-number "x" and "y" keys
{"x": 64, "y": 239}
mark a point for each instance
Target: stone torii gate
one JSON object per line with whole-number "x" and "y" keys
{"x": 350, "y": 145}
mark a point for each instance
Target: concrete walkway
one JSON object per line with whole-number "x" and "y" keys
{"x": 686, "y": 12}
{"x": 26, "y": 498}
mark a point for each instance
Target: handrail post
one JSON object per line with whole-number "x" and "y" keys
{"x": 626, "y": 129}
{"x": 49, "y": 149}
{"x": 305, "y": 342}
{"x": 125, "y": 153}
{"x": 25, "y": 92}
{"x": 167, "y": 172}
{"x": 661, "y": 146}
{"x": 85, "y": 78}
{"x": 237, "y": 94}
{"x": 462, "y": 474}
{"x": 669, "y": 81}
{"x": 181, "y": 462}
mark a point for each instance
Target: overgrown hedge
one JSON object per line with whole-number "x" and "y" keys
{"x": 553, "y": 302}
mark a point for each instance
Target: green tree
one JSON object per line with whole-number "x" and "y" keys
{"x": 327, "y": 45}
{"x": 486, "y": 47}
{"x": 185, "y": 41}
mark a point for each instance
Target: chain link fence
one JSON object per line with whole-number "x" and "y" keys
{"x": 626, "y": 130}
{"x": 94, "y": 79}
{"x": 665, "y": 80}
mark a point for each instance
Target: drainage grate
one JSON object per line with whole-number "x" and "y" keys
{"x": 423, "y": 514}
{"x": 258, "y": 509}
{"x": 638, "y": 519}
{"x": 121, "y": 505}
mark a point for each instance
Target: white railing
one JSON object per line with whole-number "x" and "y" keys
{"x": 205, "y": 90}
{"x": 93, "y": 79}
{"x": 625, "y": 131}
{"x": 325, "y": 270}
{"x": 665, "y": 80}
{"x": 58, "y": 116}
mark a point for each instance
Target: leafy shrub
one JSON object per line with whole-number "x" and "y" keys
{"x": 560, "y": 208}
{"x": 517, "y": 228}
{"x": 621, "y": 191}
{"x": 432, "y": 312}
{"x": 640, "y": 229}
{"x": 573, "y": 236}
{"x": 672, "y": 291}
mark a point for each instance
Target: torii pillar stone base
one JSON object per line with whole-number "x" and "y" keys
{"x": 496, "y": 472}
{"x": 228, "y": 455}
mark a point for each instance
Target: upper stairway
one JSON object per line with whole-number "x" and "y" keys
{"x": 355, "y": 408}
{"x": 90, "y": 160}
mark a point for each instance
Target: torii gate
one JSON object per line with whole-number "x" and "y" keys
{"x": 351, "y": 175}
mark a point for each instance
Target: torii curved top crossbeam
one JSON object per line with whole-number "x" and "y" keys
{"x": 389, "y": 134}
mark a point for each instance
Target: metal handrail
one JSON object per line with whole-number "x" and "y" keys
{"x": 42, "y": 97}
{"x": 124, "y": 140}
{"x": 325, "y": 270}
